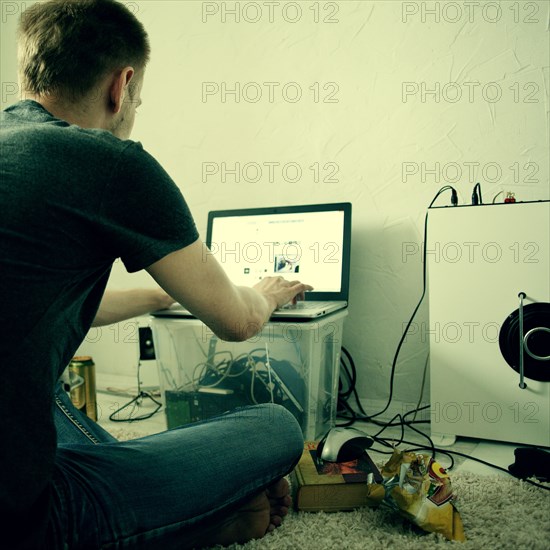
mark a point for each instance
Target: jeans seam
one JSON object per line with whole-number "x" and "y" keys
{"x": 72, "y": 419}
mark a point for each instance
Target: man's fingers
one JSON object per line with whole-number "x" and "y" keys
{"x": 299, "y": 289}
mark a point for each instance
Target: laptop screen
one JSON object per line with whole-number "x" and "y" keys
{"x": 309, "y": 243}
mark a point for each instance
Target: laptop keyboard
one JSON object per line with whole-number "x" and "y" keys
{"x": 304, "y": 305}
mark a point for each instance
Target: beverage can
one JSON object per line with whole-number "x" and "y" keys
{"x": 83, "y": 388}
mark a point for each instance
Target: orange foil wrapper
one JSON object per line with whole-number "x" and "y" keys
{"x": 420, "y": 489}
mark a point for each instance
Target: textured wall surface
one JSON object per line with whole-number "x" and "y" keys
{"x": 380, "y": 103}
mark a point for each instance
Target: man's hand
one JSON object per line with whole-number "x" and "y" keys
{"x": 198, "y": 281}
{"x": 279, "y": 291}
{"x": 162, "y": 299}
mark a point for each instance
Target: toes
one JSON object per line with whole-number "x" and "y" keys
{"x": 279, "y": 511}
{"x": 280, "y": 501}
{"x": 279, "y": 489}
{"x": 276, "y": 521}
{"x": 285, "y": 502}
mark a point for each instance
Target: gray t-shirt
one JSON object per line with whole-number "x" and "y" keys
{"x": 72, "y": 201}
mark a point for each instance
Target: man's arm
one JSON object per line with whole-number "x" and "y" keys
{"x": 118, "y": 305}
{"x": 197, "y": 281}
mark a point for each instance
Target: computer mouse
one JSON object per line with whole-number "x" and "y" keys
{"x": 343, "y": 445}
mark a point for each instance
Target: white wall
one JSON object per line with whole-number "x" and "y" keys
{"x": 399, "y": 97}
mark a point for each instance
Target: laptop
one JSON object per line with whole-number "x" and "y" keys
{"x": 310, "y": 243}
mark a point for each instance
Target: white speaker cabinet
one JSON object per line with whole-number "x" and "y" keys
{"x": 489, "y": 322}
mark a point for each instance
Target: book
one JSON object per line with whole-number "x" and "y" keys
{"x": 335, "y": 486}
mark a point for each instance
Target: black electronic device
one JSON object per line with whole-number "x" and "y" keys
{"x": 247, "y": 381}
{"x": 186, "y": 407}
{"x": 146, "y": 344}
{"x": 531, "y": 462}
{"x": 524, "y": 340}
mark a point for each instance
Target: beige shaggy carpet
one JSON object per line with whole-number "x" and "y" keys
{"x": 498, "y": 513}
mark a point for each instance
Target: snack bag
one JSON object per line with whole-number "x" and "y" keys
{"x": 420, "y": 489}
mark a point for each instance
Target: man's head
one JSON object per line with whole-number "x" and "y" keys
{"x": 84, "y": 55}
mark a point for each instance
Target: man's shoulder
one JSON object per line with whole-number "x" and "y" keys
{"x": 28, "y": 122}
{"x": 102, "y": 139}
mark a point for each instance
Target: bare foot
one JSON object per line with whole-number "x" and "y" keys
{"x": 260, "y": 515}
{"x": 278, "y": 495}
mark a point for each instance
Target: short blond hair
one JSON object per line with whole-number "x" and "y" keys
{"x": 67, "y": 46}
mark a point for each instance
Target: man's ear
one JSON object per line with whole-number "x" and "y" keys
{"x": 118, "y": 87}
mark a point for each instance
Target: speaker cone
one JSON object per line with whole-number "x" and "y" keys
{"x": 536, "y": 341}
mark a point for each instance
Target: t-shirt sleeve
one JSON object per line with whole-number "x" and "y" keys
{"x": 143, "y": 214}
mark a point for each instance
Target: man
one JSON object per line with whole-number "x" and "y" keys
{"x": 75, "y": 195}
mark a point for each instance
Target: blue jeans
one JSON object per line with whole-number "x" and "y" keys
{"x": 157, "y": 491}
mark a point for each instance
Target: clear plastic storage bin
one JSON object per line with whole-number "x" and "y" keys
{"x": 294, "y": 364}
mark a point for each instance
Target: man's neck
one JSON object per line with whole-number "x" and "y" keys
{"x": 79, "y": 113}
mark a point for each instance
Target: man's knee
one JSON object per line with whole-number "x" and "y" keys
{"x": 275, "y": 422}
